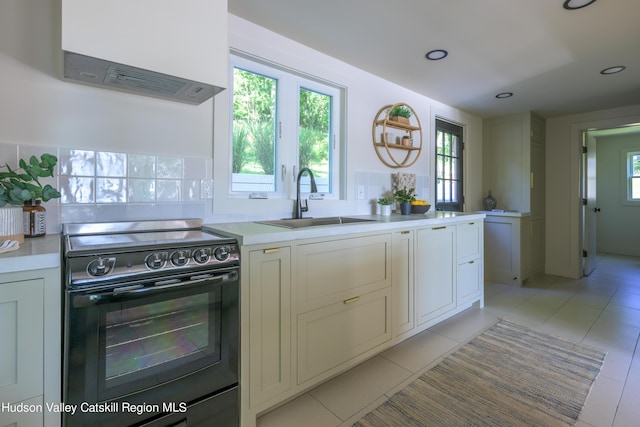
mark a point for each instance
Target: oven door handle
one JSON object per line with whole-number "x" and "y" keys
{"x": 139, "y": 291}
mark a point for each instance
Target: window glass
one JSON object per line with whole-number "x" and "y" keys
{"x": 314, "y": 137}
{"x": 254, "y": 132}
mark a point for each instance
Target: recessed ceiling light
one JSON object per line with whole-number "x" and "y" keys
{"x": 504, "y": 95}
{"x": 576, "y": 4}
{"x": 437, "y": 54}
{"x": 613, "y": 70}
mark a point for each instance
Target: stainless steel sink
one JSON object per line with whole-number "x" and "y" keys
{"x": 314, "y": 222}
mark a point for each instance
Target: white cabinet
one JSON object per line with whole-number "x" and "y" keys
{"x": 435, "y": 272}
{"x": 267, "y": 282}
{"x": 343, "y": 301}
{"x": 514, "y": 169}
{"x": 507, "y": 247}
{"x": 469, "y": 249}
{"x": 402, "y": 266}
{"x": 30, "y": 351}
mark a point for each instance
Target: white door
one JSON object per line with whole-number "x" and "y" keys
{"x": 589, "y": 210}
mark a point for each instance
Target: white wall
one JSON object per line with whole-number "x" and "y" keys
{"x": 366, "y": 95}
{"x": 41, "y": 113}
{"x": 563, "y": 248}
{"x": 618, "y": 224}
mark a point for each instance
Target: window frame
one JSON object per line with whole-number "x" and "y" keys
{"x": 289, "y": 83}
{"x": 457, "y": 130}
{"x": 629, "y": 177}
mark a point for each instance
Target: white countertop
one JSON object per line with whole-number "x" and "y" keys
{"x": 253, "y": 233}
{"x": 35, "y": 253}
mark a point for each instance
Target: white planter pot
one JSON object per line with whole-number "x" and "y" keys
{"x": 11, "y": 223}
{"x": 385, "y": 210}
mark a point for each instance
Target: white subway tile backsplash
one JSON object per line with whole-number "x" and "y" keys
{"x": 76, "y": 162}
{"x": 167, "y": 190}
{"x": 169, "y": 167}
{"x": 111, "y": 190}
{"x": 111, "y": 164}
{"x": 74, "y": 189}
{"x": 142, "y": 166}
{"x": 142, "y": 190}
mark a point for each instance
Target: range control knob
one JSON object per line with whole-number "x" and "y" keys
{"x": 156, "y": 260}
{"x": 202, "y": 255}
{"x": 100, "y": 267}
{"x": 180, "y": 258}
{"x": 222, "y": 253}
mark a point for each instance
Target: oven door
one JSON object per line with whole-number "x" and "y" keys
{"x": 164, "y": 344}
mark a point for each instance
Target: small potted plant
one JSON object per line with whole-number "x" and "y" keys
{"x": 22, "y": 187}
{"x": 406, "y": 141}
{"x": 385, "y": 206}
{"x": 401, "y": 114}
{"x": 404, "y": 197}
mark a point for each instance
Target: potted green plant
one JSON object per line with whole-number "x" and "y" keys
{"x": 385, "y": 206}
{"x": 21, "y": 187}
{"x": 404, "y": 197}
{"x": 406, "y": 141}
{"x": 401, "y": 114}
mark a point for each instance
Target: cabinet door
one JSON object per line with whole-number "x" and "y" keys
{"x": 402, "y": 282}
{"x": 435, "y": 269}
{"x": 269, "y": 323}
{"x": 334, "y": 334}
{"x": 22, "y": 332}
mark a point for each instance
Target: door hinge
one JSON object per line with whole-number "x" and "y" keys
{"x": 584, "y": 149}
{"x": 584, "y": 254}
{"x": 584, "y": 202}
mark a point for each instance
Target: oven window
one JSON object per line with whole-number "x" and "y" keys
{"x": 144, "y": 339}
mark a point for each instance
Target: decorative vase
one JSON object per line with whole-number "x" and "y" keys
{"x": 489, "y": 203}
{"x": 35, "y": 218}
{"x": 385, "y": 210}
{"x": 405, "y": 208}
{"x": 11, "y": 224}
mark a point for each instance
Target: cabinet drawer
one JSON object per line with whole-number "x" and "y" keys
{"x": 332, "y": 335}
{"x": 469, "y": 241}
{"x": 331, "y": 271}
{"x": 469, "y": 280}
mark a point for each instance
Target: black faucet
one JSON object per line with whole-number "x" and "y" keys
{"x": 314, "y": 189}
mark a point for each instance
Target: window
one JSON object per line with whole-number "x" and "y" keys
{"x": 633, "y": 176}
{"x": 283, "y": 122}
{"x": 449, "y": 167}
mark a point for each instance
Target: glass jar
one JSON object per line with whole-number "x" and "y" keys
{"x": 35, "y": 218}
{"x": 489, "y": 203}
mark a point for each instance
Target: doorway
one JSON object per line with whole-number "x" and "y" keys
{"x": 589, "y": 214}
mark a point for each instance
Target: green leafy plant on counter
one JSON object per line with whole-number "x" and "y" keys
{"x": 385, "y": 201}
{"x": 23, "y": 183}
{"x": 402, "y": 195}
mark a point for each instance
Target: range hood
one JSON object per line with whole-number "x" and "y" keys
{"x": 98, "y": 72}
{"x": 169, "y": 49}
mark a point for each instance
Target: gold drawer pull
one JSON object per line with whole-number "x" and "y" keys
{"x": 471, "y": 223}
{"x": 405, "y": 232}
{"x": 471, "y": 262}
{"x": 350, "y": 300}
{"x": 271, "y": 250}
{"x": 439, "y": 228}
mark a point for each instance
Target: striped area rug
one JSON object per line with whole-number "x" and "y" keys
{"x": 509, "y": 375}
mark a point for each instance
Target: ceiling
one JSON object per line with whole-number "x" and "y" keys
{"x": 550, "y": 58}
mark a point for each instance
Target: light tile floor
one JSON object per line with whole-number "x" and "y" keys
{"x": 602, "y": 310}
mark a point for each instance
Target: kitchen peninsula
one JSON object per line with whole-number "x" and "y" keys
{"x": 318, "y": 300}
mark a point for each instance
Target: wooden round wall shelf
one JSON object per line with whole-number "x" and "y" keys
{"x": 387, "y": 136}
